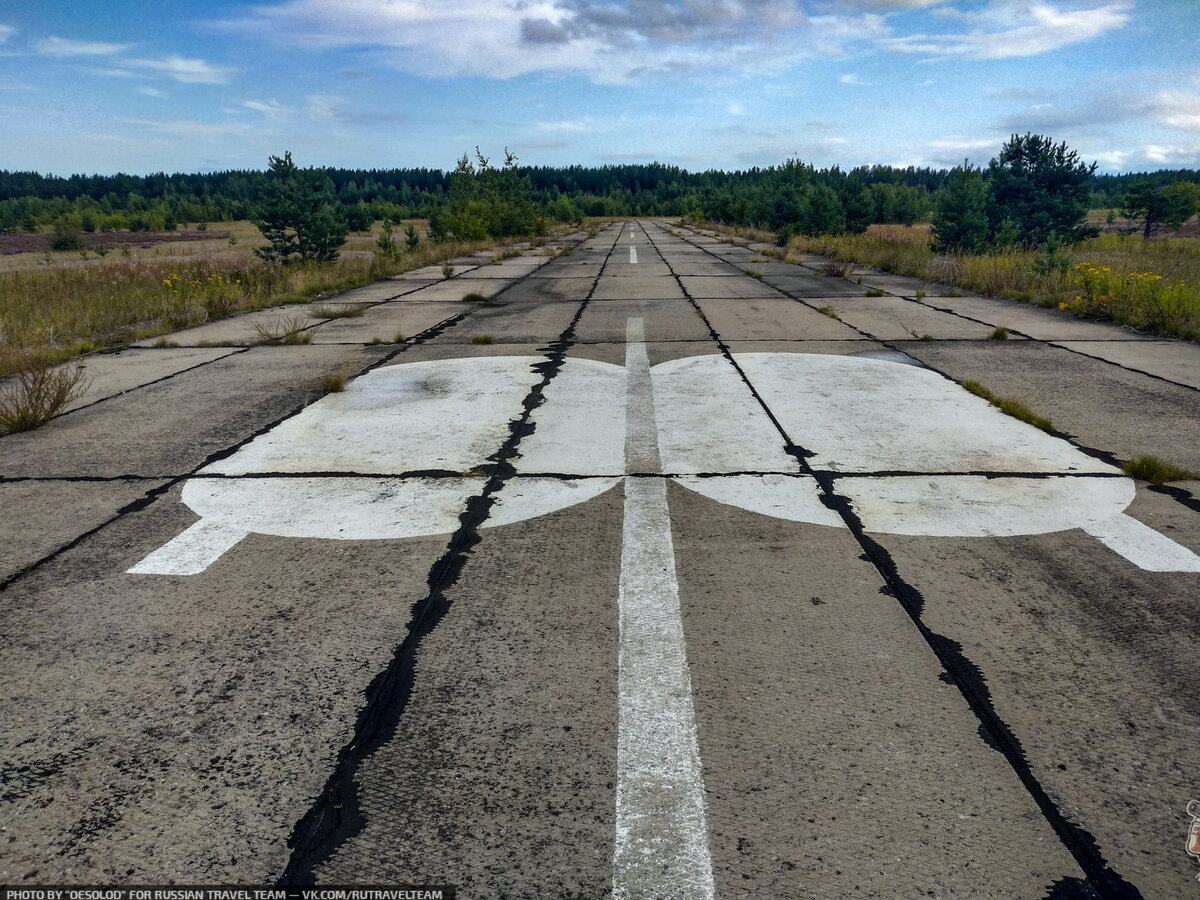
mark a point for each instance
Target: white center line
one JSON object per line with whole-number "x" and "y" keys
{"x": 661, "y": 847}
{"x": 633, "y": 254}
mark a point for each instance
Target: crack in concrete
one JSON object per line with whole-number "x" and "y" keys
{"x": 961, "y": 671}
{"x": 336, "y": 816}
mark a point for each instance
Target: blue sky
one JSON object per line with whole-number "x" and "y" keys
{"x": 176, "y": 85}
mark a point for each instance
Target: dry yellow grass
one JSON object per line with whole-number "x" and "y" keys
{"x": 54, "y": 311}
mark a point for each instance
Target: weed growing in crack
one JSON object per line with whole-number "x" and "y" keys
{"x": 754, "y": 273}
{"x": 1010, "y": 406}
{"x": 482, "y": 339}
{"x": 474, "y": 297}
{"x": 447, "y": 269}
{"x": 38, "y": 393}
{"x": 1156, "y": 471}
{"x": 163, "y": 342}
{"x": 337, "y": 311}
{"x": 333, "y": 383}
{"x": 999, "y": 333}
{"x": 873, "y": 292}
{"x": 828, "y": 311}
{"x": 283, "y": 330}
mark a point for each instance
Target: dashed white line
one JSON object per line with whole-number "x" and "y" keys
{"x": 661, "y": 847}
{"x": 633, "y": 254}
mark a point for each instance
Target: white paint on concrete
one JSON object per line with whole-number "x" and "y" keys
{"x": 857, "y": 415}
{"x": 193, "y": 551}
{"x": 1143, "y": 546}
{"x": 796, "y": 498}
{"x": 867, "y": 415}
{"x": 708, "y": 421}
{"x": 633, "y": 255}
{"x": 661, "y": 847}
{"x": 580, "y": 427}
{"x": 441, "y": 414}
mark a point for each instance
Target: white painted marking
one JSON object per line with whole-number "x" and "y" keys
{"x": 661, "y": 847}
{"x": 633, "y": 255}
{"x": 191, "y": 552}
{"x": 1143, "y": 546}
{"x": 867, "y": 415}
{"x": 975, "y": 506}
{"x": 857, "y": 415}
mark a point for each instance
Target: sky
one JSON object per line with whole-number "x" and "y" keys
{"x": 139, "y": 86}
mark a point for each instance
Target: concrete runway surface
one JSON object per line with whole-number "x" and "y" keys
{"x": 672, "y": 570}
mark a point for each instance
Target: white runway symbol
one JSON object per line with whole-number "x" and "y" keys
{"x": 397, "y": 454}
{"x": 343, "y": 468}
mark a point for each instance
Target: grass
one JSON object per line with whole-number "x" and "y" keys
{"x": 828, "y": 311}
{"x": 163, "y": 343}
{"x": 1010, "y": 406}
{"x": 333, "y": 383}
{"x": 38, "y": 393}
{"x": 283, "y": 330}
{"x": 58, "y": 309}
{"x": 754, "y": 273}
{"x": 999, "y": 333}
{"x": 482, "y": 339}
{"x": 474, "y": 297}
{"x": 835, "y": 269}
{"x": 873, "y": 292}
{"x": 447, "y": 269}
{"x": 1152, "y": 285}
{"x": 1156, "y": 471}
{"x": 338, "y": 311}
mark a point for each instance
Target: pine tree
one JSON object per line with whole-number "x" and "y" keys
{"x": 1042, "y": 187}
{"x": 297, "y": 213}
{"x": 959, "y": 219}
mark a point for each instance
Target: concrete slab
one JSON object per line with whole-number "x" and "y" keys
{"x": 454, "y": 290}
{"x": 801, "y": 284}
{"x": 40, "y": 517}
{"x": 550, "y": 290}
{"x": 239, "y": 331}
{"x": 620, "y": 266}
{"x": 664, "y": 320}
{"x": 662, "y": 287}
{"x": 518, "y": 322}
{"x": 1176, "y": 361}
{"x": 169, "y": 428}
{"x": 1035, "y": 321}
{"x": 499, "y": 271}
{"x": 110, "y": 374}
{"x": 891, "y": 319}
{"x": 1102, "y": 405}
{"x": 384, "y": 322}
{"x": 736, "y": 320}
{"x": 726, "y": 287}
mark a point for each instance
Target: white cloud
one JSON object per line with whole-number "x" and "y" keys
{"x": 6, "y": 31}
{"x": 613, "y": 42}
{"x": 850, "y": 78}
{"x": 184, "y": 69}
{"x": 200, "y": 131}
{"x": 1163, "y": 154}
{"x": 272, "y": 109}
{"x": 57, "y": 46}
{"x": 1015, "y": 28}
{"x": 151, "y": 91}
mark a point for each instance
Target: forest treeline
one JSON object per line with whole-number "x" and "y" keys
{"x": 793, "y": 194}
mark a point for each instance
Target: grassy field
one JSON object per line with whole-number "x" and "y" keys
{"x": 1152, "y": 285}
{"x": 56, "y": 306}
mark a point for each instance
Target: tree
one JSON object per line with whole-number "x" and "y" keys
{"x": 959, "y": 219}
{"x": 1041, "y": 186}
{"x": 1170, "y": 205}
{"x": 297, "y": 212}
